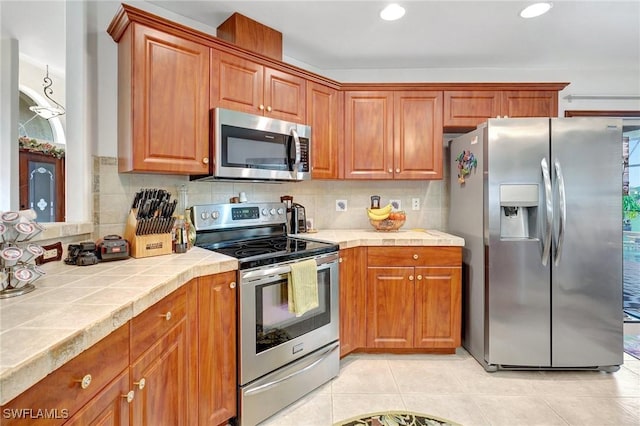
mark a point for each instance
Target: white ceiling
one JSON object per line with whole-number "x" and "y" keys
{"x": 440, "y": 34}
{"x": 433, "y": 34}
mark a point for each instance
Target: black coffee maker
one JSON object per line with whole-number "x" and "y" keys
{"x": 296, "y": 217}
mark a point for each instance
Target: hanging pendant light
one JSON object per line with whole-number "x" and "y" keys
{"x": 48, "y": 112}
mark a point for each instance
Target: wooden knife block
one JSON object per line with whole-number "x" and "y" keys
{"x": 145, "y": 245}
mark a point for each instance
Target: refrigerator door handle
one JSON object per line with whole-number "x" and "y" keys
{"x": 546, "y": 245}
{"x": 562, "y": 206}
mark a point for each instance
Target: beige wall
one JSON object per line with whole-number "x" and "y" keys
{"x": 113, "y": 194}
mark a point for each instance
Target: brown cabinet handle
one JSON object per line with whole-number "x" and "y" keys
{"x": 166, "y": 316}
{"x": 398, "y": 170}
{"x": 140, "y": 383}
{"x": 205, "y": 160}
{"x": 415, "y": 257}
{"x": 261, "y": 107}
{"x": 269, "y": 108}
{"x": 390, "y": 170}
{"x": 340, "y": 260}
{"x": 85, "y": 381}
{"x": 129, "y": 396}
{"x": 419, "y": 277}
{"x": 232, "y": 284}
{"x": 410, "y": 277}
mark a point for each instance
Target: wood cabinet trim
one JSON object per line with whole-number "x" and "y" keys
{"x": 127, "y": 14}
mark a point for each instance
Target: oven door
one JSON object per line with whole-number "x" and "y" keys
{"x": 271, "y": 336}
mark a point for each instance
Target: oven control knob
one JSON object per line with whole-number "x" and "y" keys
{"x": 204, "y": 215}
{"x": 215, "y": 214}
{"x": 265, "y": 212}
{"x": 272, "y": 212}
{"x": 280, "y": 211}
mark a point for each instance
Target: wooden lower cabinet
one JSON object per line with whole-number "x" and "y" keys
{"x": 164, "y": 375}
{"x": 217, "y": 348}
{"x": 437, "y": 316}
{"x": 174, "y": 364}
{"x": 109, "y": 408}
{"x": 353, "y": 272}
{"x": 414, "y": 298}
{"x": 390, "y": 307}
{"x": 74, "y": 386}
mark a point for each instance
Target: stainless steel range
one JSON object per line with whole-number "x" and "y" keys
{"x": 281, "y": 356}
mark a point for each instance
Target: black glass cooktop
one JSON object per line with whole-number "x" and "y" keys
{"x": 266, "y": 251}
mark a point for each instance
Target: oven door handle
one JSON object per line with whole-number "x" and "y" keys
{"x": 321, "y": 357}
{"x": 322, "y": 263}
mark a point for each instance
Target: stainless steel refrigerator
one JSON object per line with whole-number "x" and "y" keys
{"x": 539, "y": 204}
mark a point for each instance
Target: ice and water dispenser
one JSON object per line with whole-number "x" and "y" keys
{"x": 518, "y": 211}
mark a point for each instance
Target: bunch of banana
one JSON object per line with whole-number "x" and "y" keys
{"x": 381, "y": 213}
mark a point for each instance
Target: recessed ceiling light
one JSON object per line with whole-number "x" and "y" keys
{"x": 535, "y": 9}
{"x": 392, "y": 12}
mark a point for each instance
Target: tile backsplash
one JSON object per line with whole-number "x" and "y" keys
{"x": 113, "y": 195}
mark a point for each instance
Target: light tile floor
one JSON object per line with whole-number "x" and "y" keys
{"x": 457, "y": 388}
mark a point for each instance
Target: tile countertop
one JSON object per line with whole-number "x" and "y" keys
{"x": 369, "y": 237}
{"x": 73, "y": 307}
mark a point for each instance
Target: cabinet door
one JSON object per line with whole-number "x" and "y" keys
{"x": 109, "y": 408}
{"x": 217, "y": 349}
{"x": 390, "y": 310}
{"x": 465, "y": 109}
{"x": 170, "y": 108}
{"x": 368, "y": 151}
{"x": 324, "y": 114}
{"x": 540, "y": 103}
{"x": 352, "y": 300}
{"x": 438, "y": 307}
{"x": 163, "y": 399}
{"x": 284, "y": 96}
{"x": 236, "y": 83}
{"x": 164, "y": 353}
{"x": 417, "y": 135}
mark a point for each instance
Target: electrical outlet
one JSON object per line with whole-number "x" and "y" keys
{"x": 397, "y": 204}
{"x": 415, "y": 204}
{"x": 341, "y": 205}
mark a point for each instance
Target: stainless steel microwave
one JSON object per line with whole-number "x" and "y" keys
{"x": 255, "y": 148}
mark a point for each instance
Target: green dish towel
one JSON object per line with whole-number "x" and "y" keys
{"x": 302, "y": 288}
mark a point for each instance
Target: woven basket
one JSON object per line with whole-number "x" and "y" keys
{"x": 387, "y": 224}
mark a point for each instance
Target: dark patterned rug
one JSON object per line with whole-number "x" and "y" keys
{"x": 396, "y": 418}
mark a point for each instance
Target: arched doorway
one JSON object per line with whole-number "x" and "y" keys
{"x": 41, "y": 162}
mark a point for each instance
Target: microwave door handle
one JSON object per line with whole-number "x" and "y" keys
{"x": 296, "y": 163}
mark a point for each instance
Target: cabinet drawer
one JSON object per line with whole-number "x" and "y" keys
{"x": 157, "y": 320}
{"x": 414, "y": 256}
{"x": 62, "y": 390}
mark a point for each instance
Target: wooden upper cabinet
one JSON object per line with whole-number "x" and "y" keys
{"x": 466, "y": 109}
{"x": 417, "y": 149}
{"x": 523, "y": 103}
{"x": 368, "y": 139}
{"x": 393, "y": 135}
{"x": 163, "y": 103}
{"x": 324, "y": 115}
{"x": 244, "y": 85}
